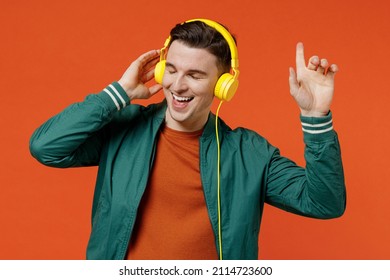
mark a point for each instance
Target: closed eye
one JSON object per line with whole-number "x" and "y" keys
{"x": 170, "y": 69}
{"x": 195, "y": 76}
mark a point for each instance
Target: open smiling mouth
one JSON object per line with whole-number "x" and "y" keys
{"x": 182, "y": 99}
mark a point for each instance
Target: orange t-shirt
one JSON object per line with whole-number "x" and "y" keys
{"x": 173, "y": 221}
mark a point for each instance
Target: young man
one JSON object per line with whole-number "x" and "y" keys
{"x": 156, "y": 191}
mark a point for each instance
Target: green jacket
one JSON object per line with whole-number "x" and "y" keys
{"x": 120, "y": 138}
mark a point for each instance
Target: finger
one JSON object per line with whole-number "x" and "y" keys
{"x": 300, "y": 57}
{"x": 146, "y": 57}
{"x": 152, "y": 63}
{"x": 324, "y": 63}
{"x": 333, "y": 68}
{"x": 292, "y": 79}
{"x": 322, "y": 68}
{"x": 148, "y": 76}
{"x": 313, "y": 63}
{"x": 154, "y": 89}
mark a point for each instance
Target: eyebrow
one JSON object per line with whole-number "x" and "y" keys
{"x": 192, "y": 71}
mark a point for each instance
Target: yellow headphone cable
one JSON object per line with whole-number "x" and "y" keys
{"x": 219, "y": 182}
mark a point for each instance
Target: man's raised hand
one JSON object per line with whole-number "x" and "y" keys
{"x": 138, "y": 74}
{"x": 312, "y": 86}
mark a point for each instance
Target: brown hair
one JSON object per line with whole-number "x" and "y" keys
{"x": 198, "y": 34}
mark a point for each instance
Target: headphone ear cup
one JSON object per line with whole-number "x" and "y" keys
{"x": 226, "y": 87}
{"x": 159, "y": 71}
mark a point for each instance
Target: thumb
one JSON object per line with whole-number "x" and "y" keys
{"x": 154, "y": 89}
{"x": 292, "y": 79}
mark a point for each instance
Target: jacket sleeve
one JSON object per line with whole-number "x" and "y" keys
{"x": 74, "y": 137}
{"x": 318, "y": 190}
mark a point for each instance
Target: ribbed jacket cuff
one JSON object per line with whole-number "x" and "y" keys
{"x": 317, "y": 128}
{"x": 115, "y": 96}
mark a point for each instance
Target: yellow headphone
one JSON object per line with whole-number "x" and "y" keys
{"x": 227, "y": 84}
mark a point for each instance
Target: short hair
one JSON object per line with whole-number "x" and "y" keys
{"x": 197, "y": 34}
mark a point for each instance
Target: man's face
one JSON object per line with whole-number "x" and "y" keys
{"x": 188, "y": 84}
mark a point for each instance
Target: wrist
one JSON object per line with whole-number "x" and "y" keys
{"x": 314, "y": 114}
{"x": 126, "y": 89}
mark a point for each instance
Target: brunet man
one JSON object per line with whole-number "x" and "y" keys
{"x": 156, "y": 191}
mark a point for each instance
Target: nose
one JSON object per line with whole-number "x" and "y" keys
{"x": 178, "y": 84}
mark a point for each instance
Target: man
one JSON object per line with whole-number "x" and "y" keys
{"x": 156, "y": 191}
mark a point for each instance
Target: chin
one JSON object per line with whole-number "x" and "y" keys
{"x": 178, "y": 116}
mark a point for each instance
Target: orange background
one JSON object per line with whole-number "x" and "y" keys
{"x": 54, "y": 53}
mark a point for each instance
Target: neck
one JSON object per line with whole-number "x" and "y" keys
{"x": 185, "y": 126}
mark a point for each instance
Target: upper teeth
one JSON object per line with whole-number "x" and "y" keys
{"x": 182, "y": 98}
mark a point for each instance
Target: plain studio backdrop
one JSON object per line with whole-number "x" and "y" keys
{"x": 54, "y": 53}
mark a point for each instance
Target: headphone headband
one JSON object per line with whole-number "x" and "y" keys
{"x": 226, "y": 35}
